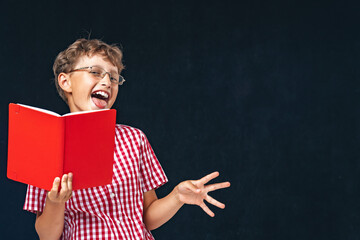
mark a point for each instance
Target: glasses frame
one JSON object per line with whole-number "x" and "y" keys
{"x": 102, "y": 75}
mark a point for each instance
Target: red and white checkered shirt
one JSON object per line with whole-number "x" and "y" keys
{"x": 114, "y": 211}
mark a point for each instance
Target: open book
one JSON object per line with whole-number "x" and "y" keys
{"x": 43, "y": 145}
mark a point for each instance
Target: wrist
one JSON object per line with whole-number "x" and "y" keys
{"x": 176, "y": 196}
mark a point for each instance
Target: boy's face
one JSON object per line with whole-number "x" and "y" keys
{"x": 84, "y": 92}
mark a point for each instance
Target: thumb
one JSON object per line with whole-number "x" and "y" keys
{"x": 193, "y": 187}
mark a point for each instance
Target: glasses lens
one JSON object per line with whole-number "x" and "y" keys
{"x": 114, "y": 78}
{"x": 96, "y": 72}
{"x": 100, "y": 73}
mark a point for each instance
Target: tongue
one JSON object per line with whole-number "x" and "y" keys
{"x": 99, "y": 102}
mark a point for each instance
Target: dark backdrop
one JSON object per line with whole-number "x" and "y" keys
{"x": 266, "y": 92}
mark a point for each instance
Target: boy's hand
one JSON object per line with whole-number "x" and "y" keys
{"x": 195, "y": 192}
{"x": 65, "y": 192}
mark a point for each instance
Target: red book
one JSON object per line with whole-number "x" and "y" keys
{"x": 44, "y": 145}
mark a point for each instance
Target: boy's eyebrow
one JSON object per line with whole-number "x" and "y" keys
{"x": 111, "y": 70}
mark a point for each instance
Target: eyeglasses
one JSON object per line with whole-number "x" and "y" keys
{"x": 99, "y": 73}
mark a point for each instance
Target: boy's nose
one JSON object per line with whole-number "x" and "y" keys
{"x": 105, "y": 81}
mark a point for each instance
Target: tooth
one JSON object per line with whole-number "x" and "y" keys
{"x": 103, "y": 94}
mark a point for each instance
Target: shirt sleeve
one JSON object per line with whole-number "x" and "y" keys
{"x": 152, "y": 175}
{"x": 35, "y": 199}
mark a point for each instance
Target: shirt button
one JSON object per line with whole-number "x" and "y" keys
{"x": 112, "y": 195}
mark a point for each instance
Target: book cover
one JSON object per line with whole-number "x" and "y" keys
{"x": 43, "y": 145}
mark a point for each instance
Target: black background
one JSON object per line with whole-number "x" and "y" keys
{"x": 266, "y": 92}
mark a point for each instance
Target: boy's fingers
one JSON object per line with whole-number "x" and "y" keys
{"x": 69, "y": 182}
{"x": 214, "y": 202}
{"x": 209, "y": 177}
{"x": 56, "y": 183}
{"x": 207, "y": 210}
{"x": 55, "y": 186}
{"x": 217, "y": 186}
{"x": 64, "y": 186}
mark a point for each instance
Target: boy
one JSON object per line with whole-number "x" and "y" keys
{"x": 87, "y": 77}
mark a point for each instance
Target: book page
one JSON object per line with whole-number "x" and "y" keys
{"x": 84, "y": 112}
{"x": 41, "y": 110}
{"x": 58, "y": 115}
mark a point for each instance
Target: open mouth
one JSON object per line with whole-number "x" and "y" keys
{"x": 100, "y": 98}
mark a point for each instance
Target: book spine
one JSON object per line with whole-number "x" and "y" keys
{"x": 63, "y": 148}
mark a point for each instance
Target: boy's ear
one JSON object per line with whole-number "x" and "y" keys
{"x": 64, "y": 82}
